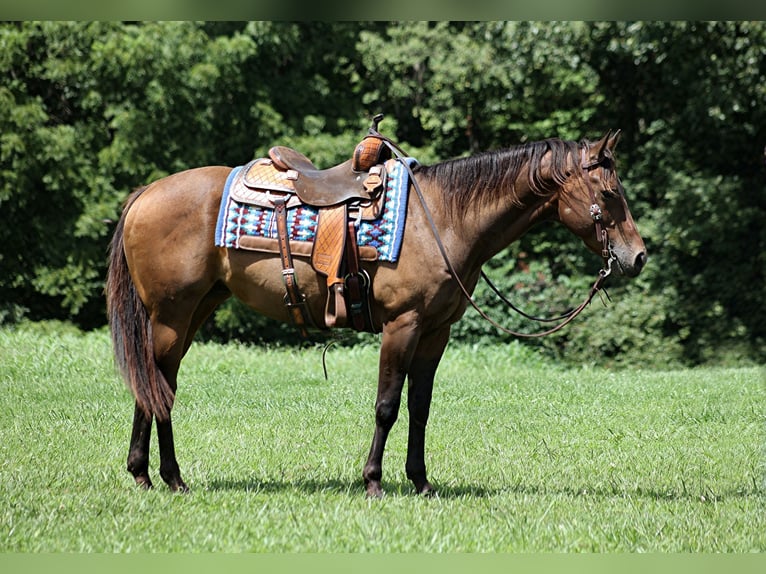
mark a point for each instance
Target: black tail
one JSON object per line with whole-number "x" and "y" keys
{"x": 132, "y": 330}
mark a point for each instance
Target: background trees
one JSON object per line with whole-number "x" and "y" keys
{"x": 89, "y": 111}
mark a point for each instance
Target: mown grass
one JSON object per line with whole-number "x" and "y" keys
{"x": 526, "y": 456}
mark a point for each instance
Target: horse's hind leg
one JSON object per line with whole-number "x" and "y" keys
{"x": 138, "y": 455}
{"x": 169, "y": 470}
{"x": 173, "y": 342}
{"x": 169, "y": 347}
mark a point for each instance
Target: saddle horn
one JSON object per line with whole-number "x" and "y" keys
{"x": 373, "y": 131}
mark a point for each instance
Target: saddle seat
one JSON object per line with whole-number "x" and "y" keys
{"x": 319, "y": 188}
{"x": 356, "y": 179}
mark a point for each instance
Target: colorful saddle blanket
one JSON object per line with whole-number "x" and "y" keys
{"x": 237, "y": 220}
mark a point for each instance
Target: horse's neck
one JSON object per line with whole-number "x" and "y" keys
{"x": 480, "y": 232}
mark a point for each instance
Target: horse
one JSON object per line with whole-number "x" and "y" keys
{"x": 164, "y": 281}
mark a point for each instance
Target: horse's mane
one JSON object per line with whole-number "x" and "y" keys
{"x": 466, "y": 181}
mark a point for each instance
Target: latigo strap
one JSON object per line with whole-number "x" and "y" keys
{"x": 294, "y": 299}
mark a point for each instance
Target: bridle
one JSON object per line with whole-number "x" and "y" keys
{"x": 595, "y": 210}
{"x": 601, "y": 233}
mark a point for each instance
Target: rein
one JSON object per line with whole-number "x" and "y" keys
{"x": 566, "y": 318}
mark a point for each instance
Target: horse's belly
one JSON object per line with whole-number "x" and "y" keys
{"x": 256, "y": 279}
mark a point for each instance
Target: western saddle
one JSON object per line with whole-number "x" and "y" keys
{"x": 344, "y": 195}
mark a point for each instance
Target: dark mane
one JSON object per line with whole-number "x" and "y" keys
{"x": 466, "y": 181}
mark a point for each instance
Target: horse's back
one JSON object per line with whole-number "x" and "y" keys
{"x": 189, "y": 189}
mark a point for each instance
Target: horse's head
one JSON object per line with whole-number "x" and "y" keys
{"x": 592, "y": 205}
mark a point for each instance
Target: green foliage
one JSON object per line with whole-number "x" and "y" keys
{"x": 234, "y": 321}
{"x": 695, "y": 117}
{"x": 467, "y": 87}
{"x": 90, "y": 110}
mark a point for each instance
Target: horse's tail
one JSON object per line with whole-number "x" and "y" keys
{"x": 132, "y": 330}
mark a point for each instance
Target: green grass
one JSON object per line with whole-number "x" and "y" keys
{"x": 526, "y": 456}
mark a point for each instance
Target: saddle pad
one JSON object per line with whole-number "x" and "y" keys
{"x": 237, "y": 220}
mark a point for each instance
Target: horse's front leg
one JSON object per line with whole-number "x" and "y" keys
{"x": 421, "y": 382}
{"x": 396, "y": 350}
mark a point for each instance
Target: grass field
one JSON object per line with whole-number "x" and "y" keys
{"x": 526, "y": 456}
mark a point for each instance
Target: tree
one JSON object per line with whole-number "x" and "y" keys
{"x": 693, "y": 100}
{"x": 91, "y": 110}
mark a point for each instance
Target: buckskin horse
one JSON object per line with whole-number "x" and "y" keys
{"x": 164, "y": 279}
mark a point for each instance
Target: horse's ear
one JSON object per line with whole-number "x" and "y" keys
{"x": 602, "y": 144}
{"x": 614, "y": 137}
{"x": 607, "y": 143}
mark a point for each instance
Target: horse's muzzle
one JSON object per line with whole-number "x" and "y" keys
{"x": 638, "y": 265}
{"x": 632, "y": 268}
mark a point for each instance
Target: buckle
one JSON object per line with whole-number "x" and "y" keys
{"x": 361, "y": 275}
{"x": 604, "y": 273}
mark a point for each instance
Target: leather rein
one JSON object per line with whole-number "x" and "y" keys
{"x": 601, "y": 233}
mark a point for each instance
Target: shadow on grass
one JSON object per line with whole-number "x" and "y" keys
{"x": 458, "y": 491}
{"x": 346, "y": 487}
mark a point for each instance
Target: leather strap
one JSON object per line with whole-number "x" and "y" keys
{"x": 354, "y": 282}
{"x": 294, "y": 299}
{"x": 335, "y": 307}
{"x": 595, "y": 208}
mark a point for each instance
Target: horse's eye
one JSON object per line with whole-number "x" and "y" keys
{"x": 611, "y": 192}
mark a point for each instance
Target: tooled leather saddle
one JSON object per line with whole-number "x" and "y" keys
{"x": 344, "y": 195}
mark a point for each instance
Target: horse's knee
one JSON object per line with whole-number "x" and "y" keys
{"x": 386, "y": 412}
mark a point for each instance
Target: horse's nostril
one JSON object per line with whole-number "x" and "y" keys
{"x": 640, "y": 261}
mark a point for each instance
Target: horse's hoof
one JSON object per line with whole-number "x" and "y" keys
{"x": 425, "y": 489}
{"x": 374, "y": 490}
{"x": 179, "y": 487}
{"x": 428, "y": 491}
{"x": 144, "y": 482}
